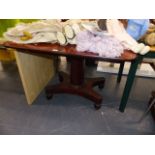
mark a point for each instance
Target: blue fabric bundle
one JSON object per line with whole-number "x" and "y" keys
{"x": 137, "y": 27}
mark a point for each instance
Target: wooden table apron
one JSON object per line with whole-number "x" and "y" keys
{"x": 77, "y": 84}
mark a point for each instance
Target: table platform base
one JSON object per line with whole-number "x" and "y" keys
{"x": 85, "y": 89}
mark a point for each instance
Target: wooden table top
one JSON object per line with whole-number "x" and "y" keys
{"x": 69, "y": 50}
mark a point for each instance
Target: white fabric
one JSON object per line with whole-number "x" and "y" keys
{"x": 46, "y": 30}
{"x": 103, "y": 44}
{"x": 116, "y": 28}
{"x": 99, "y": 42}
{"x": 41, "y": 31}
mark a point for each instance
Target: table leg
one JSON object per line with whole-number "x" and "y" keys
{"x": 129, "y": 82}
{"x": 119, "y": 77}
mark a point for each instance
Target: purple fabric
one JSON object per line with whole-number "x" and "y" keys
{"x": 104, "y": 45}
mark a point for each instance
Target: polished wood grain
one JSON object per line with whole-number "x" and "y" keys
{"x": 69, "y": 50}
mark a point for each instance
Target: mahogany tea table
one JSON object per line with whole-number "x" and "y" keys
{"x": 75, "y": 83}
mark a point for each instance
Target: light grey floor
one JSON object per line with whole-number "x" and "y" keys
{"x": 68, "y": 114}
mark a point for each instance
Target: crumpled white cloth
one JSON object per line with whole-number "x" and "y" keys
{"x": 116, "y": 28}
{"x": 41, "y": 31}
{"x": 110, "y": 44}
{"x": 46, "y": 30}
{"x": 100, "y": 43}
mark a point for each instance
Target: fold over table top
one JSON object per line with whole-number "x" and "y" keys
{"x": 69, "y": 51}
